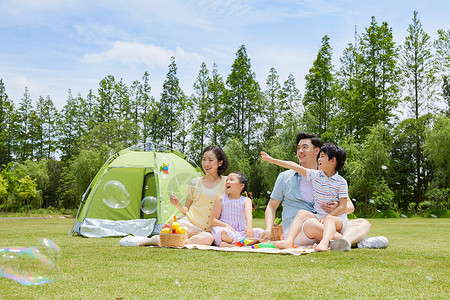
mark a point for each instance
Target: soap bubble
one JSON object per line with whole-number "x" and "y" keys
{"x": 403, "y": 216}
{"x": 184, "y": 185}
{"x": 115, "y": 195}
{"x": 433, "y": 216}
{"x": 371, "y": 201}
{"x": 165, "y": 166}
{"x": 149, "y": 205}
{"x": 31, "y": 266}
{"x": 384, "y": 167}
{"x": 177, "y": 282}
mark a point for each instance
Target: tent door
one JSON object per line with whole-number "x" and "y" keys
{"x": 149, "y": 189}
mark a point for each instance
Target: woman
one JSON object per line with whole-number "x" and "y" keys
{"x": 201, "y": 197}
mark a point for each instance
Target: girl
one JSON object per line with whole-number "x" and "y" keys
{"x": 232, "y": 215}
{"x": 201, "y": 196}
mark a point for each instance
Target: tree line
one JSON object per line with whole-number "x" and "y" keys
{"x": 387, "y": 105}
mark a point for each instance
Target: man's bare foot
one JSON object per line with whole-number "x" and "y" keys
{"x": 321, "y": 247}
{"x": 223, "y": 244}
{"x": 283, "y": 244}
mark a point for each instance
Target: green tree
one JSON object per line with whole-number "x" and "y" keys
{"x": 144, "y": 105}
{"x": 271, "y": 104}
{"x": 290, "y": 106}
{"x": 201, "y": 105}
{"x": 437, "y": 150}
{"x": 365, "y": 167}
{"x": 170, "y": 105}
{"x": 6, "y": 126}
{"x": 319, "y": 99}
{"x": 46, "y": 128}
{"x": 244, "y": 100}
{"x": 442, "y": 46}
{"x": 380, "y": 73}
{"x": 4, "y": 193}
{"x": 350, "y": 120}
{"x": 27, "y": 189}
{"x": 24, "y": 128}
{"x": 419, "y": 81}
{"x": 217, "y": 92}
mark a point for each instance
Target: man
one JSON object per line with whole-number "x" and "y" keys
{"x": 295, "y": 193}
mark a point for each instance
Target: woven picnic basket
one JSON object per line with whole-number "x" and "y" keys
{"x": 276, "y": 233}
{"x": 172, "y": 239}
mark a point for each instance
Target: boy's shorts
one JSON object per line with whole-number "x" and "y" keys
{"x": 303, "y": 240}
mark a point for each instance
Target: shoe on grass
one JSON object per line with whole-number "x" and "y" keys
{"x": 377, "y": 242}
{"x": 341, "y": 245}
{"x": 131, "y": 241}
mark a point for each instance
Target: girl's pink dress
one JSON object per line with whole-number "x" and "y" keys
{"x": 233, "y": 213}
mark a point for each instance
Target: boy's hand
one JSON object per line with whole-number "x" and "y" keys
{"x": 322, "y": 220}
{"x": 265, "y": 156}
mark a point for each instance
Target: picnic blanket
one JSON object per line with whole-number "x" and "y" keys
{"x": 292, "y": 251}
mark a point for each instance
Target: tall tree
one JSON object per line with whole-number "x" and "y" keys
{"x": 271, "y": 104}
{"x": 6, "y": 126}
{"x": 419, "y": 81}
{"x": 217, "y": 93}
{"x": 290, "y": 105}
{"x": 442, "y": 45}
{"x": 170, "y": 105}
{"x": 201, "y": 105}
{"x": 380, "y": 73}
{"x": 244, "y": 100}
{"x": 350, "y": 120}
{"x": 319, "y": 99}
{"x": 45, "y": 127}
{"x": 24, "y": 126}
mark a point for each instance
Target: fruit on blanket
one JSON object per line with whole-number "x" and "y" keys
{"x": 175, "y": 225}
{"x": 180, "y": 230}
{"x": 165, "y": 230}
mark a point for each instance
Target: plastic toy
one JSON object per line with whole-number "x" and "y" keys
{"x": 165, "y": 168}
{"x": 263, "y": 245}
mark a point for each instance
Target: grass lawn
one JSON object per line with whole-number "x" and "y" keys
{"x": 416, "y": 265}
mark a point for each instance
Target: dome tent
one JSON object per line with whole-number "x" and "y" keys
{"x": 139, "y": 171}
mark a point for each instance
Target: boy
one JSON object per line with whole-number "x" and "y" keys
{"x": 328, "y": 186}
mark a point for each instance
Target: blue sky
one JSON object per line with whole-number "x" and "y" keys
{"x": 51, "y": 46}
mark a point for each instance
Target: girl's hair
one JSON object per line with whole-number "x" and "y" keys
{"x": 220, "y": 155}
{"x": 244, "y": 180}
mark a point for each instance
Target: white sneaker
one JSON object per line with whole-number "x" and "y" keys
{"x": 341, "y": 245}
{"x": 377, "y": 242}
{"x": 131, "y": 241}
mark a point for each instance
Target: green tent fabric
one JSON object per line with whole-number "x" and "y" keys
{"x": 136, "y": 173}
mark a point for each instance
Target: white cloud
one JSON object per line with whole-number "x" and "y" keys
{"x": 131, "y": 53}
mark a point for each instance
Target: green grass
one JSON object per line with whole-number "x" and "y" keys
{"x": 416, "y": 265}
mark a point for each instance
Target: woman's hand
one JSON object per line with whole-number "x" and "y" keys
{"x": 175, "y": 201}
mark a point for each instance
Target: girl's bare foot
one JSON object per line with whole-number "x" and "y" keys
{"x": 283, "y": 244}
{"x": 321, "y": 247}
{"x": 223, "y": 244}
